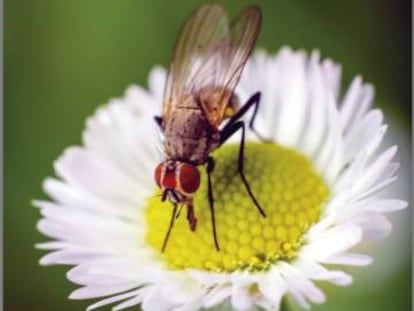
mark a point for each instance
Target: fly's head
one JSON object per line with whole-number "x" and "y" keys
{"x": 177, "y": 180}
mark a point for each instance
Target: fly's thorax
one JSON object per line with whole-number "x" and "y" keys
{"x": 187, "y": 122}
{"x": 189, "y": 135}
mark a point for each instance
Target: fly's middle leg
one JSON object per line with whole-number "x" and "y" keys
{"x": 225, "y": 134}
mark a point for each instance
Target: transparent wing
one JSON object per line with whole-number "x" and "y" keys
{"x": 223, "y": 63}
{"x": 244, "y": 31}
{"x": 211, "y": 53}
{"x": 205, "y": 28}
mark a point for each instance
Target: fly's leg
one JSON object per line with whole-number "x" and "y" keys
{"x": 209, "y": 168}
{"x": 253, "y": 102}
{"x": 192, "y": 220}
{"x": 225, "y": 134}
{"x": 158, "y": 120}
{"x": 179, "y": 212}
{"x": 167, "y": 236}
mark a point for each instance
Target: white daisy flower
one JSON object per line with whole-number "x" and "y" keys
{"x": 318, "y": 182}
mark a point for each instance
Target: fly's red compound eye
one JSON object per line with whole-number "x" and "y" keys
{"x": 164, "y": 177}
{"x": 188, "y": 178}
{"x": 158, "y": 173}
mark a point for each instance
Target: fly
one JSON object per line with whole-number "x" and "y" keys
{"x": 200, "y": 108}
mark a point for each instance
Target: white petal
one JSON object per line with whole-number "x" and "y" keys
{"x": 99, "y": 291}
{"x": 128, "y": 303}
{"x": 376, "y": 170}
{"x": 358, "y": 136}
{"x": 332, "y": 242}
{"x": 356, "y": 102}
{"x": 240, "y": 298}
{"x": 375, "y": 226}
{"x": 355, "y": 169}
{"x": 121, "y": 269}
{"x": 141, "y": 101}
{"x": 316, "y": 271}
{"x": 216, "y": 295}
{"x": 329, "y": 159}
{"x": 69, "y": 257}
{"x": 90, "y": 172}
{"x": 375, "y": 188}
{"x": 386, "y": 206}
{"x": 350, "y": 259}
{"x": 301, "y": 287}
{"x": 332, "y": 76}
{"x": 79, "y": 234}
{"x": 90, "y": 221}
{"x": 273, "y": 287}
{"x": 156, "y": 83}
{"x": 152, "y": 300}
{"x": 317, "y": 110}
{"x": 208, "y": 278}
{"x": 52, "y": 245}
{"x": 293, "y": 99}
{"x": 112, "y": 299}
{"x": 74, "y": 196}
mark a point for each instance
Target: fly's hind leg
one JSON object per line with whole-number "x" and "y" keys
{"x": 225, "y": 134}
{"x": 209, "y": 168}
{"x": 253, "y": 102}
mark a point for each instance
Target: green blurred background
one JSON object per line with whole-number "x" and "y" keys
{"x": 63, "y": 58}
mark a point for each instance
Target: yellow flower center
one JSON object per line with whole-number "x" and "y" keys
{"x": 286, "y": 186}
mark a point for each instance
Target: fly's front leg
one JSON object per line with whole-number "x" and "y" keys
{"x": 253, "y": 102}
{"x": 225, "y": 134}
{"x": 192, "y": 220}
{"x": 209, "y": 168}
{"x": 159, "y": 122}
{"x": 179, "y": 211}
{"x": 167, "y": 235}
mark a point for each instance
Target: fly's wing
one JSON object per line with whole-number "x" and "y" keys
{"x": 230, "y": 56}
{"x": 203, "y": 31}
{"x": 244, "y": 31}
{"x": 211, "y": 54}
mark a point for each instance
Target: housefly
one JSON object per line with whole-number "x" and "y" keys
{"x": 200, "y": 109}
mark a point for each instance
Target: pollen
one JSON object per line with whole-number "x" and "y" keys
{"x": 286, "y": 186}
